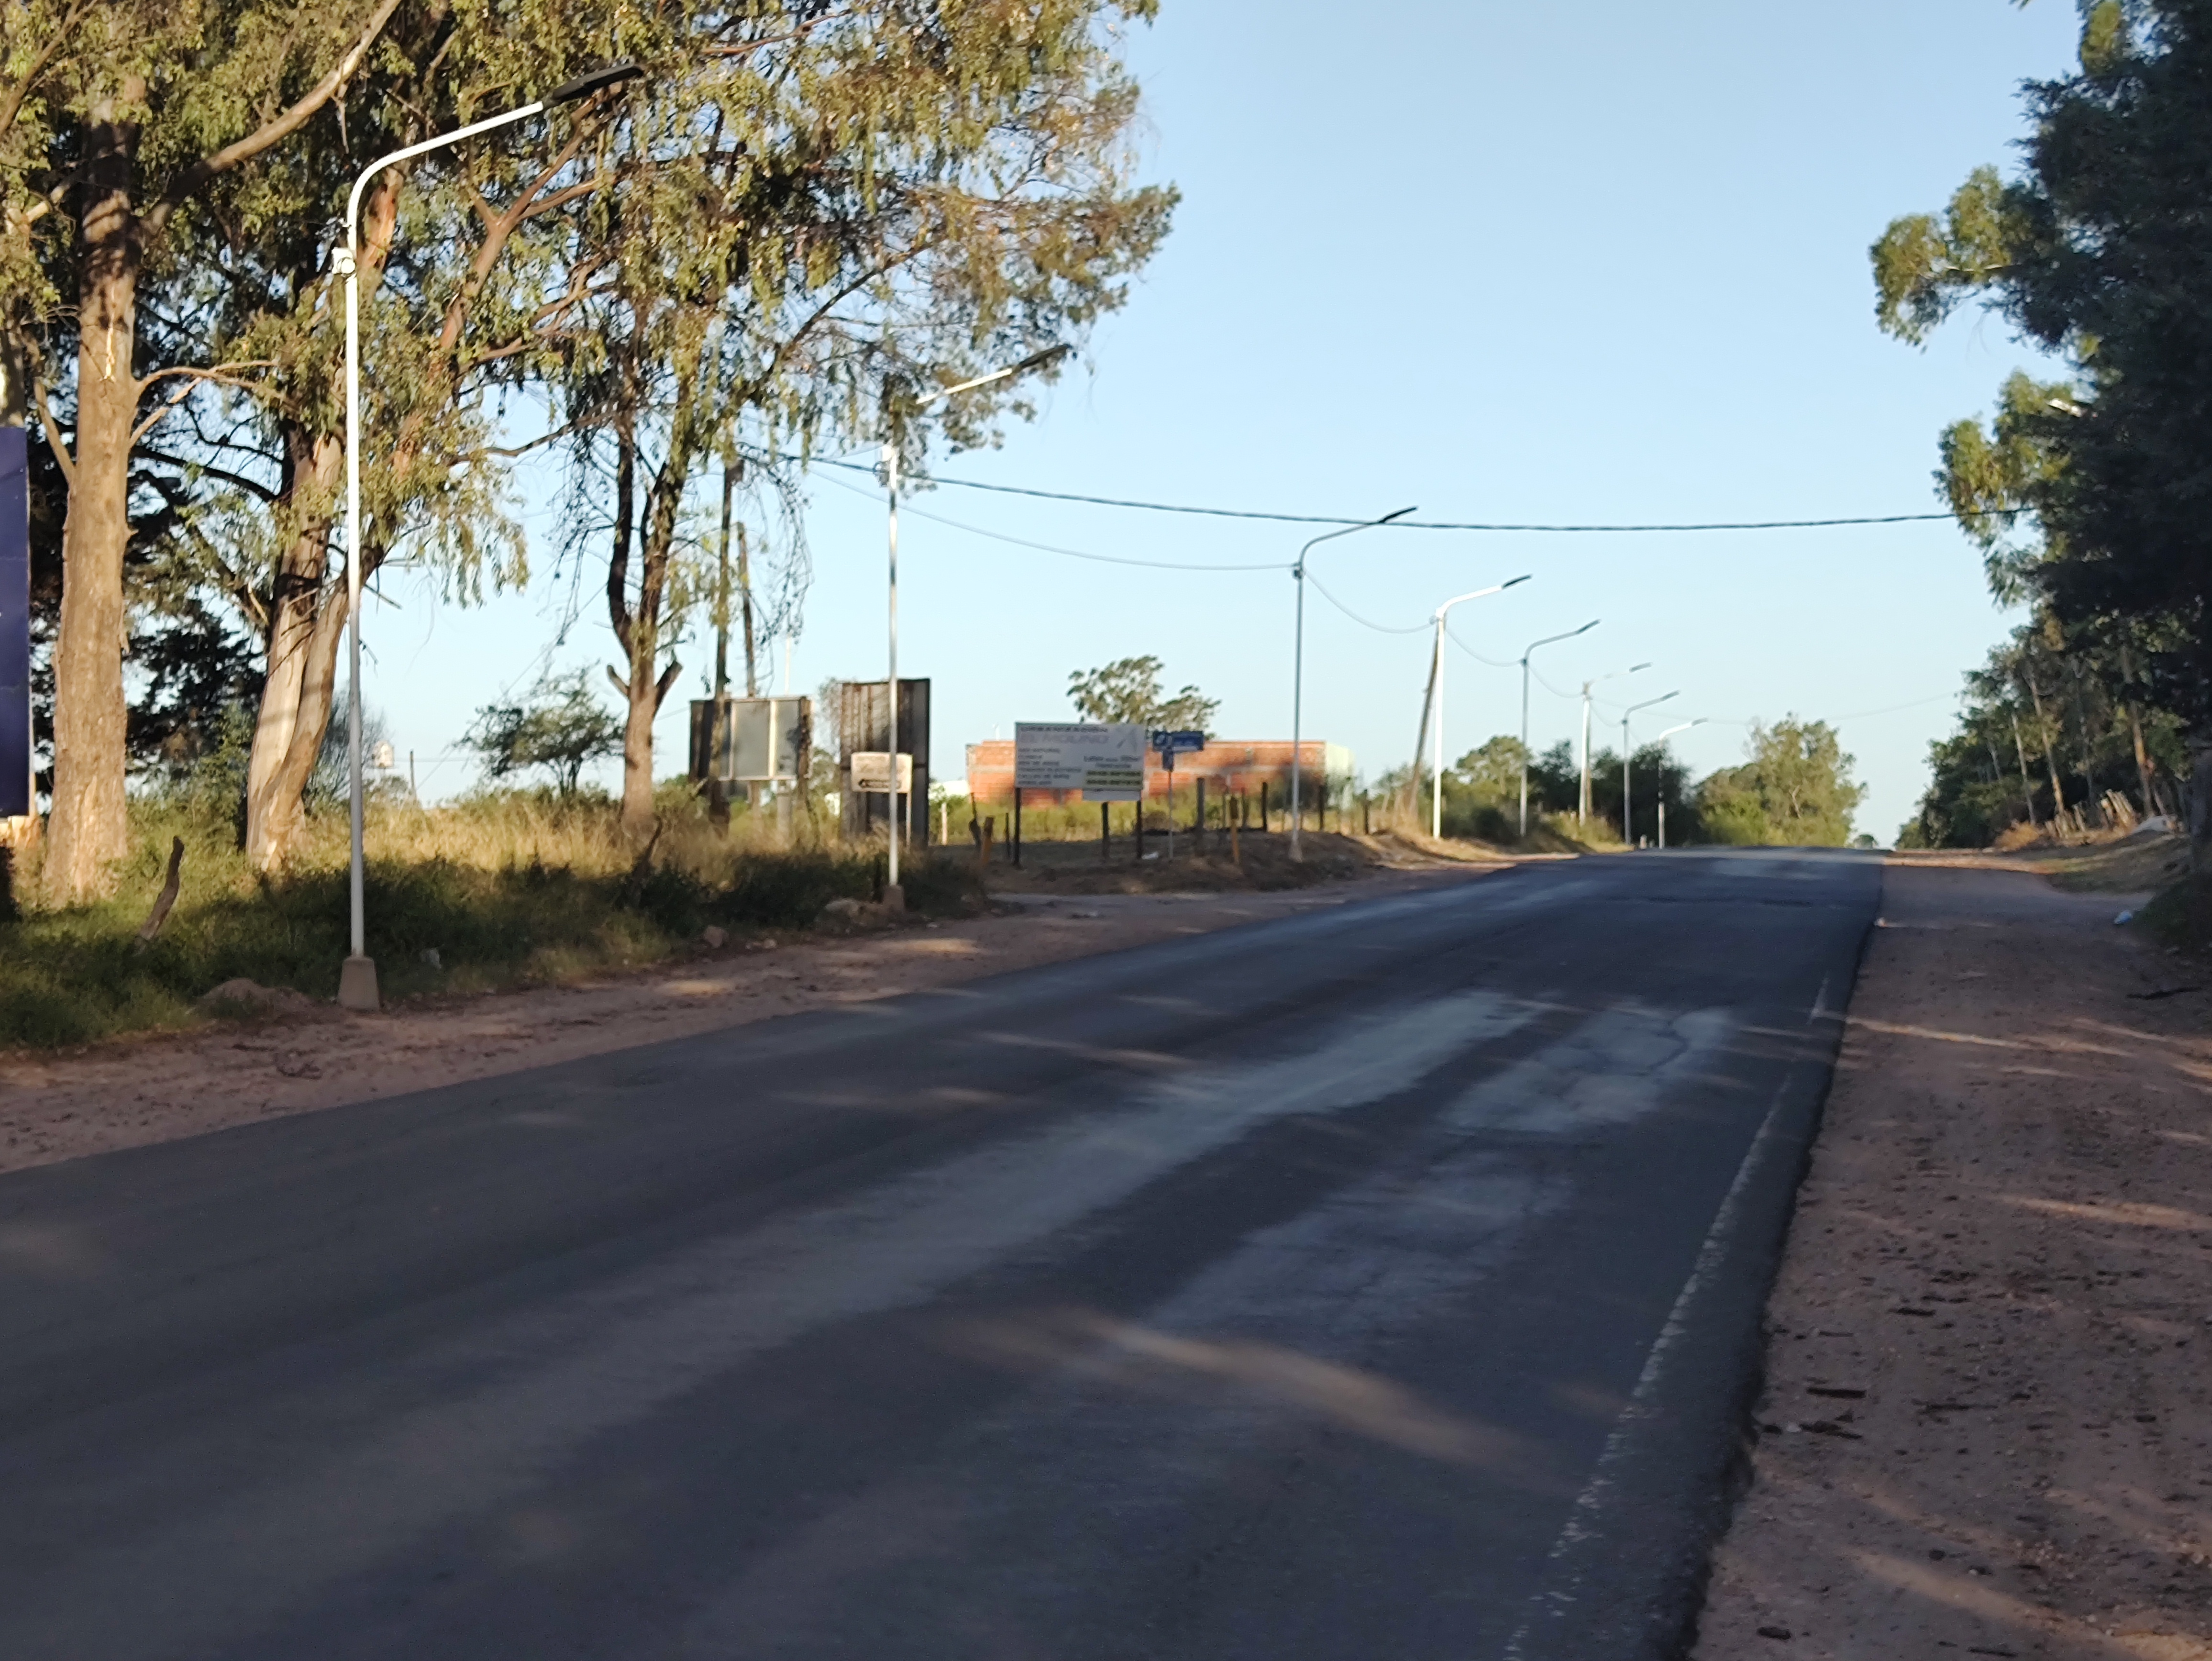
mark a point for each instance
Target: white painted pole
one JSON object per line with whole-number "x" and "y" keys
{"x": 357, "y": 976}
{"x": 892, "y": 894}
{"x": 1443, "y": 612}
{"x": 1437, "y": 747}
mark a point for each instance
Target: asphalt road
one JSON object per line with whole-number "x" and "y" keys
{"x": 1382, "y": 1281}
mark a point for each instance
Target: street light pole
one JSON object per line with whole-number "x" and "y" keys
{"x": 1582, "y": 803}
{"x": 1662, "y": 739}
{"x": 1298, "y": 669}
{"x": 1436, "y": 770}
{"x": 1533, "y": 645}
{"x": 894, "y": 892}
{"x": 358, "y": 975}
{"x": 1627, "y": 831}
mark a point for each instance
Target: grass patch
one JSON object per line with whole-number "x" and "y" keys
{"x": 493, "y": 893}
{"x": 2126, "y": 867}
{"x": 2181, "y": 916}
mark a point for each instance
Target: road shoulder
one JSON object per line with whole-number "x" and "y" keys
{"x": 1986, "y": 1426}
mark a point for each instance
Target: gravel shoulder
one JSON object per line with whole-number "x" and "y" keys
{"x": 1986, "y": 1426}
{"x": 64, "y": 1104}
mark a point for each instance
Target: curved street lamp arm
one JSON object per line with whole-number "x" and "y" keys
{"x": 1553, "y": 640}
{"x": 1331, "y": 536}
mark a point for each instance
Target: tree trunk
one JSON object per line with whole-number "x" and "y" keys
{"x": 310, "y": 692}
{"x": 637, "y": 624}
{"x": 90, "y": 832}
{"x": 2050, "y": 760}
{"x": 302, "y": 662}
{"x": 644, "y": 690}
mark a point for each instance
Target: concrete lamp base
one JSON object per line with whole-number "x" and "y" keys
{"x": 357, "y": 985}
{"x": 894, "y": 896}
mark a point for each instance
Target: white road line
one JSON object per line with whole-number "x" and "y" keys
{"x": 1581, "y": 1523}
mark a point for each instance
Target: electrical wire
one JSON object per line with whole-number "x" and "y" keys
{"x": 1380, "y": 628}
{"x": 1408, "y": 524}
{"x": 1511, "y": 663}
{"x": 1065, "y": 553}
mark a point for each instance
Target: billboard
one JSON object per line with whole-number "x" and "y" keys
{"x": 1106, "y": 763}
{"x": 762, "y": 738}
{"x": 14, "y": 623}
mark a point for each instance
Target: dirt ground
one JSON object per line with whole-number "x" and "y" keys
{"x": 61, "y": 1105}
{"x": 1987, "y": 1422}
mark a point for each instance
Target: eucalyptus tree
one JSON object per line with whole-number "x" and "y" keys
{"x": 832, "y": 212}
{"x": 465, "y": 288}
{"x": 2100, "y": 249}
{"x": 144, "y": 107}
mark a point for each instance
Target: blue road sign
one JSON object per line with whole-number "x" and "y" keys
{"x": 1169, "y": 743}
{"x": 14, "y": 622}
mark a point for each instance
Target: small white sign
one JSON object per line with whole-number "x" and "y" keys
{"x": 1105, "y": 762}
{"x": 872, "y": 771}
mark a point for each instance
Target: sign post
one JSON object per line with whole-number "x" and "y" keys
{"x": 1170, "y": 744}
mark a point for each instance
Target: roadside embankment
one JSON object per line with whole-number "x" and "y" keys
{"x": 1986, "y": 1426}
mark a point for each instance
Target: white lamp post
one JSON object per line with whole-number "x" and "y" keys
{"x": 357, "y": 976}
{"x": 1437, "y": 752}
{"x": 1298, "y": 667}
{"x": 894, "y": 894}
{"x": 1547, "y": 641}
{"x": 1662, "y": 739}
{"x": 1582, "y": 804}
{"x": 1627, "y": 831}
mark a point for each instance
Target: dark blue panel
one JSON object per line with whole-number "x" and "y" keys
{"x": 14, "y": 623}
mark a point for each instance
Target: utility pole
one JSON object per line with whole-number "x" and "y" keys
{"x": 1533, "y": 645}
{"x": 1582, "y": 810}
{"x": 1298, "y": 675}
{"x": 1421, "y": 737}
{"x": 1627, "y": 821}
{"x": 718, "y": 788}
{"x": 1436, "y": 673}
{"x": 1582, "y": 803}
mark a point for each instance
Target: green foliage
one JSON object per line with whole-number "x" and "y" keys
{"x": 1493, "y": 773}
{"x": 1997, "y": 768}
{"x": 1128, "y": 691}
{"x": 1794, "y": 791}
{"x": 2101, "y": 249}
{"x": 559, "y": 727}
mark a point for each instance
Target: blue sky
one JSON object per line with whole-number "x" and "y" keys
{"x": 1535, "y": 264}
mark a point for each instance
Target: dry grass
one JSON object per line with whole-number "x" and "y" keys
{"x": 494, "y": 891}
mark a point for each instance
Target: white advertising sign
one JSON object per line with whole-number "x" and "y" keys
{"x": 1106, "y": 763}
{"x": 872, "y": 771}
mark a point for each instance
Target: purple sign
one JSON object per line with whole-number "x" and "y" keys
{"x": 14, "y": 623}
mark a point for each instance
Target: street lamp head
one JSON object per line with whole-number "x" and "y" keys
{"x": 1400, "y": 513}
{"x": 1638, "y": 668}
{"x": 1038, "y": 360}
{"x": 592, "y": 81}
{"x": 1515, "y": 582}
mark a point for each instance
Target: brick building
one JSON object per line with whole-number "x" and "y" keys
{"x": 1229, "y": 768}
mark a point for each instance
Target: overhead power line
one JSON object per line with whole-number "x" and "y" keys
{"x": 1409, "y": 524}
{"x": 908, "y": 507}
